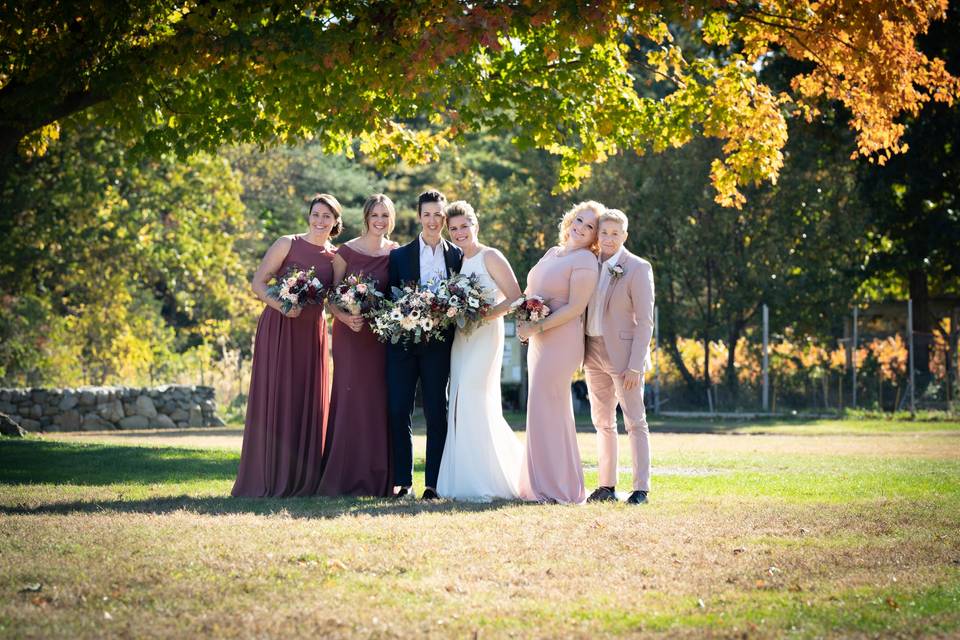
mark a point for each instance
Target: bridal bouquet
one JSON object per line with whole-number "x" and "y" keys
{"x": 357, "y": 294}
{"x": 530, "y": 309}
{"x": 297, "y": 288}
{"x": 465, "y": 301}
{"x": 412, "y": 317}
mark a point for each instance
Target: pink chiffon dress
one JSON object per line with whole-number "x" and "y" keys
{"x": 552, "y": 470}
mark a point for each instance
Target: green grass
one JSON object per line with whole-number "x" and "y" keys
{"x": 867, "y": 423}
{"x": 766, "y": 535}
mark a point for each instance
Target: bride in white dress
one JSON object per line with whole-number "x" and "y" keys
{"x": 482, "y": 456}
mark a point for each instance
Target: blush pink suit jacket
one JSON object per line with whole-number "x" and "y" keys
{"x": 628, "y": 314}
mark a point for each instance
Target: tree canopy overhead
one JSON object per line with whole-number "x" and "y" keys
{"x": 405, "y": 77}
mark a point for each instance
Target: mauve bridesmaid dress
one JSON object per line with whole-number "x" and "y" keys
{"x": 551, "y": 469}
{"x": 356, "y": 459}
{"x": 289, "y": 395}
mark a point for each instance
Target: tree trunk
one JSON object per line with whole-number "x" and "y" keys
{"x": 707, "y": 326}
{"x": 730, "y": 373}
{"x": 922, "y": 327}
{"x": 670, "y": 341}
{"x": 9, "y": 139}
{"x": 953, "y": 359}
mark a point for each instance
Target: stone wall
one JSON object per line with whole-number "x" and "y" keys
{"x": 101, "y": 408}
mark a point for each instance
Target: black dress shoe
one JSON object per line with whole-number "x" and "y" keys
{"x": 602, "y": 494}
{"x": 402, "y": 492}
{"x": 637, "y": 497}
{"x": 429, "y": 494}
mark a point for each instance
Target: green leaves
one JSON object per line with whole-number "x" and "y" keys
{"x": 117, "y": 260}
{"x": 582, "y": 81}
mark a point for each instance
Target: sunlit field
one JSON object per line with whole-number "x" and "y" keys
{"x": 801, "y": 529}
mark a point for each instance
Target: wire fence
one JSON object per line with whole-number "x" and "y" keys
{"x": 880, "y": 363}
{"x": 866, "y": 367}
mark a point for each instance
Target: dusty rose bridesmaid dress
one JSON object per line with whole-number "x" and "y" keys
{"x": 551, "y": 469}
{"x": 356, "y": 459}
{"x": 289, "y": 395}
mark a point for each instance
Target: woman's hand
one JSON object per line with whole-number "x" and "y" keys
{"x": 352, "y": 322}
{"x": 294, "y": 312}
{"x": 355, "y": 322}
{"x": 631, "y": 379}
{"x": 525, "y": 330}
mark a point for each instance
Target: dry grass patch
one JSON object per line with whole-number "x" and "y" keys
{"x": 150, "y": 546}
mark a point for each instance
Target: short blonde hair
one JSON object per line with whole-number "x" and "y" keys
{"x": 577, "y": 209}
{"x": 460, "y": 208}
{"x": 614, "y": 215}
{"x": 374, "y": 200}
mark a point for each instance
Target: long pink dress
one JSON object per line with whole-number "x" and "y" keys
{"x": 356, "y": 458}
{"x": 551, "y": 468}
{"x": 289, "y": 395}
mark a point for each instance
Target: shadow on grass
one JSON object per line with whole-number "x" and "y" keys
{"x": 309, "y": 508}
{"x": 38, "y": 462}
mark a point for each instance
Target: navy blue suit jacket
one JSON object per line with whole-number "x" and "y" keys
{"x": 404, "y": 262}
{"x": 404, "y": 268}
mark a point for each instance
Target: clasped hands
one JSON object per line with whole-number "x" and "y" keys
{"x": 353, "y": 321}
{"x": 525, "y": 330}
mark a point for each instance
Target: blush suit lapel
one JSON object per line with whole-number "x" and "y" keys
{"x": 614, "y": 282}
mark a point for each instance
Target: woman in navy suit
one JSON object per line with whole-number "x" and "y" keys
{"x": 428, "y": 258}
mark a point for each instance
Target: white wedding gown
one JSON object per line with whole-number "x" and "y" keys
{"x": 482, "y": 456}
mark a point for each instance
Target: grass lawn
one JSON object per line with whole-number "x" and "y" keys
{"x": 759, "y": 529}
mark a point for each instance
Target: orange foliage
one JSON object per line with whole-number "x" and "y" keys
{"x": 865, "y": 56}
{"x": 891, "y": 353}
{"x": 940, "y": 353}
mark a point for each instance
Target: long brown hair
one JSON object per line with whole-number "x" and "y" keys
{"x": 334, "y": 205}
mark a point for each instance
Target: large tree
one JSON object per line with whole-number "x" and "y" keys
{"x": 407, "y": 76}
{"x": 113, "y": 264}
{"x": 794, "y": 246}
{"x": 915, "y": 209}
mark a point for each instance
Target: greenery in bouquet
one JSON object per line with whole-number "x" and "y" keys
{"x": 297, "y": 288}
{"x": 413, "y": 316}
{"x": 530, "y": 309}
{"x": 464, "y": 300}
{"x": 357, "y": 294}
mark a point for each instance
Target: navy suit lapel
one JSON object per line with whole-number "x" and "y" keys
{"x": 414, "y": 250}
{"x": 452, "y": 257}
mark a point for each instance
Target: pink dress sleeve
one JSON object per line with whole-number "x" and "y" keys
{"x": 584, "y": 259}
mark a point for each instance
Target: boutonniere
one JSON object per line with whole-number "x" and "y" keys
{"x": 616, "y": 271}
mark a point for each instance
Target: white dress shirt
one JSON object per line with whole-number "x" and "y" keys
{"x": 595, "y": 308}
{"x": 433, "y": 266}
